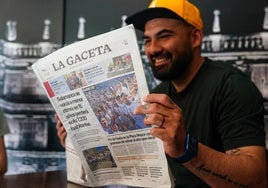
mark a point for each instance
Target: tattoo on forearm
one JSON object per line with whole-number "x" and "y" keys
{"x": 235, "y": 151}
{"x": 221, "y": 176}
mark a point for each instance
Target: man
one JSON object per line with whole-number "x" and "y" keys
{"x": 209, "y": 115}
{"x": 3, "y": 155}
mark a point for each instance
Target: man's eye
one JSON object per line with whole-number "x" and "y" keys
{"x": 164, "y": 36}
{"x": 146, "y": 41}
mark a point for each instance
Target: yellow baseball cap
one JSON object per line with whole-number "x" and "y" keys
{"x": 177, "y": 9}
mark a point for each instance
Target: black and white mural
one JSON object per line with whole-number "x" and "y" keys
{"x": 29, "y": 29}
{"x": 235, "y": 32}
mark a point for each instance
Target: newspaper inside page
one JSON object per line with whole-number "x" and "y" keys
{"x": 94, "y": 85}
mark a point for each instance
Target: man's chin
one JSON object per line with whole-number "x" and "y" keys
{"x": 162, "y": 77}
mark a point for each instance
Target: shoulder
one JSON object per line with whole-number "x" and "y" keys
{"x": 232, "y": 77}
{"x": 221, "y": 69}
{"x": 227, "y": 87}
{"x": 225, "y": 75}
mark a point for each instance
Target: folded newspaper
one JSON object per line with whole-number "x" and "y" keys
{"x": 94, "y": 86}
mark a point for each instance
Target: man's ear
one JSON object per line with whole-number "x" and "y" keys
{"x": 197, "y": 36}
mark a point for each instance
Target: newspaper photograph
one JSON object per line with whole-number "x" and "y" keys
{"x": 94, "y": 86}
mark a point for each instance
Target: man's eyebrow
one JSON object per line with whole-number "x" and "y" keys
{"x": 164, "y": 31}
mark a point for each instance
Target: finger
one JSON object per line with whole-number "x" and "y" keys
{"x": 155, "y": 108}
{"x": 62, "y": 135}
{"x": 62, "y": 143}
{"x": 154, "y": 119}
{"x": 58, "y": 124}
{"x": 60, "y": 132}
{"x": 162, "y": 99}
{"x": 163, "y": 121}
{"x": 142, "y": 109}
{"x": 56, "y": 117}
{"x": 62, "y": 140}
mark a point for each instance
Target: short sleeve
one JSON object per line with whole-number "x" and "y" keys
{"x": 241, "y": 113}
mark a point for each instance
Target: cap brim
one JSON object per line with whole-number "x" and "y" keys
{"x": 139, "y": 19}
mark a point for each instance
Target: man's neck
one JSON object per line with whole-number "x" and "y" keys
{"x": 182, "y": 82}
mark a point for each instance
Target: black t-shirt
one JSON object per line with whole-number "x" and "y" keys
{"x": 222, "y": 109}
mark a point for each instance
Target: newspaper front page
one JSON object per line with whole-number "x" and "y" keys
{"x": 94, "y": 86}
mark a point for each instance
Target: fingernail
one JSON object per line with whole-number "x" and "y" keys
{"x": 146, "y": 106}
{"x": 144, "y": 98}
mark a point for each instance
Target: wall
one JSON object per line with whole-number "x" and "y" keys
{"x": 32, "y": 144}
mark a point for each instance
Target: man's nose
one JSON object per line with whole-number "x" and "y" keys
{"x": 154, "y": 47}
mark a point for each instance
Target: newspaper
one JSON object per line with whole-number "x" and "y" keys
{"x": 94, "y": 85}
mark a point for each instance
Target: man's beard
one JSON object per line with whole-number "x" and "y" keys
{"x": 177, "y": 67}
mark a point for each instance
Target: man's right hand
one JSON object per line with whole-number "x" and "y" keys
{"x": 61, "y": 132}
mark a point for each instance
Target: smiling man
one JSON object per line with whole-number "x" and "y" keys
{"x": 209, "y": 115}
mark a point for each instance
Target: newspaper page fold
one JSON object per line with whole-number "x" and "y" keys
{"x": 94, "y": 86}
